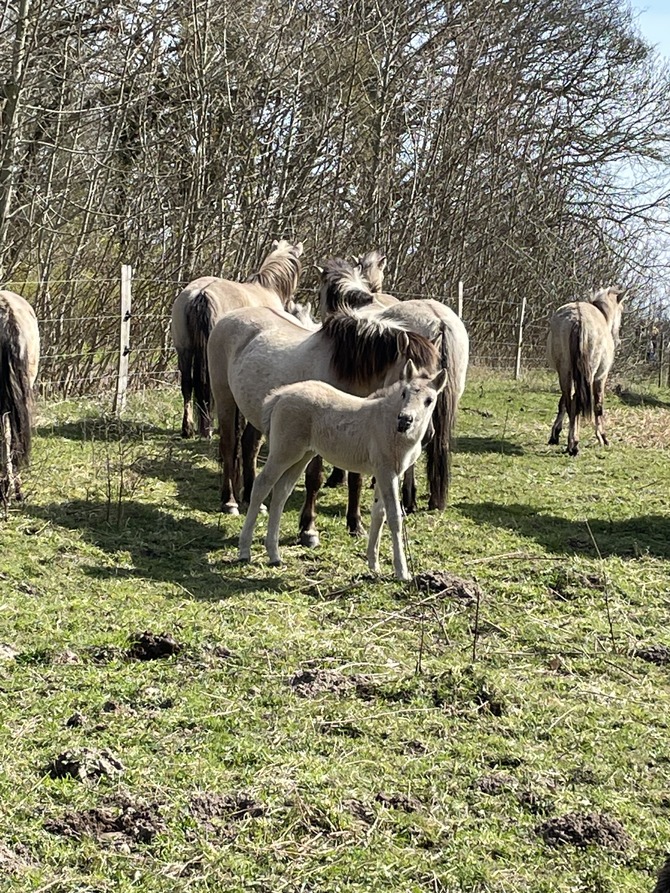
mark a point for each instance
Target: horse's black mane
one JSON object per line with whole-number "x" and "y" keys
{"x": 363, "y": 349}
{"x": 343, "y": 286}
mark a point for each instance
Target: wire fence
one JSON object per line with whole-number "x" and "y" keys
{"x": 130, "y": 348}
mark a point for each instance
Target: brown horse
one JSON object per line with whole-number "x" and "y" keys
{"x": 201, "y": 305}
{"x": 19, "y": 358}
{"x": 582, "y": 338}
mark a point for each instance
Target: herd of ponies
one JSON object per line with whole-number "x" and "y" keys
{"x": 367, "y": 388}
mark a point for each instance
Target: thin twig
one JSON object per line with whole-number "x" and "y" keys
{"x": 607, "y": 584}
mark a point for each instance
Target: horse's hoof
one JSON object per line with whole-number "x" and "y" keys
{"x": 309, "y": 539}
{"x": 605, "y": 441}
{"x": 187, "y": 433}
{"x": 243, "y": 559}
{"x": 553, "y": 440}
{"x": 229, "y": 509}
{"x": 358, "y": 530}
{"x": 573, "y": 450}
{"x": 276, "y": 563}
{"x": 434, "y": 506}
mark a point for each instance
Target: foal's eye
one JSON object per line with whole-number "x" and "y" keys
{"x": 428, "y": 401}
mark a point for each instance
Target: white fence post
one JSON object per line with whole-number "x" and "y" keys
{"x": 519, "y": 340}
{"x": 460, "y": 299}
{"x": 124, "y": 339}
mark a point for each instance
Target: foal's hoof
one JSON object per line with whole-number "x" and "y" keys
{"x": 309, "y": 539}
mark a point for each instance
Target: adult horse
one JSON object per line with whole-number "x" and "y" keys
{"x": 19, "y": 359}
{"x": 582, "y": 339}
{"x": 440, "y": 325}
{"x": 201, "y": 305}
{"x": 251, "y": 352}
{"x": 371, "y": 265}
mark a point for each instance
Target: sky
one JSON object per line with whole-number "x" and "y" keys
{"x": 653, "y": 20}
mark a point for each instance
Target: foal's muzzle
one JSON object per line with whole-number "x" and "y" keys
{"x": 404, "y": 422}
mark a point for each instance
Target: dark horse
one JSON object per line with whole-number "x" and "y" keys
{"x": 19, "y": 358}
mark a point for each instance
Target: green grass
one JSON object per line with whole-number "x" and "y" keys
{"x": 541, "y": 688}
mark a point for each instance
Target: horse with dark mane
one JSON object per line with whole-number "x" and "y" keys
{"x": 201, "y": 305}
{"x": 443, "y": 328}
{"x": 583, "y": 336}
{"x": 19, "y": 359}
{"x": 251, "y": 352}
{"x": 371, "y": 265}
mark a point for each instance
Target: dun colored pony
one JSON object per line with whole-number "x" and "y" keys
{"x": 372, "y": 266}
{"x": 19, "y": 358}
{"x": 201, "y": 305}
{"x": 254, "y": 351}
{"x": 445, "y": 330}
{"x": 379, "y": 435}
{"x": 582, "y": 338}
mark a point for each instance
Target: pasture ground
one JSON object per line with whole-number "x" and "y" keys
{"x": 310, "y": 728}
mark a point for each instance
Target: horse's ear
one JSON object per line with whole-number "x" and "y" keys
{"x": 439, "y": 381}
{"x": 403, "y": 343}
{"x": 275, "y": 244}
{"x": 298, "y": 249}
{"x": 356, "y": 259}
{"x": 621, "y": 293}
{"x": 382, "y": 261}
{"x": 409, "y": 371}
{"x": 320, "y": 269}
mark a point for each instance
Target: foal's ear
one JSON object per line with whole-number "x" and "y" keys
{"x": 409, "y": 371}
{"x": 298, "y": 249}
{"x": 402, "y": 342}
{"x": 621, "y": 293}
{"x": 439, "y": 381}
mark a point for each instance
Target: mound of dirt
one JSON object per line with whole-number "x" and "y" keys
{"x": 584, "y": 829}
{"x": 399, "y": 801}
{"x": 654, "y": 654}
{"x": 85, "y": 764}
{"x": 311, "y": 683}
{"x": 536, "y": 804}
{"x": 134, "y": 823}
{"x": 494, "y": 784}
{"x": 359, "y": 811}
{"x": 448, "y": 586}
{"x": 207, "y": 805}
{"x": 152, "y": 646}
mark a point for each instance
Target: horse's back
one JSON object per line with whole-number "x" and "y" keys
{"x": 26, "y": 324}
{"x": 595, "y": 338}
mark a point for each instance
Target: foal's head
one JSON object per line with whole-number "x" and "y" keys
{"x": 416, "y": 400}
{"x": 372, "y": 266}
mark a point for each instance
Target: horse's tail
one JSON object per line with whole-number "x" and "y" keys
{"x": 438, "y": 451}
{"x": 582, "y": 372}
{"x": 199, "y": 323}
{"x": 16, "y": 395}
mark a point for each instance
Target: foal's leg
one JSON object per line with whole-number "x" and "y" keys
{"x": 309, "y": 535}
{"x": 263, "y": 484}
{"x": 251, "y": 444}
{"x": 185, "y": 363}
{"x": 355, "y": 485}
{"x": 389, "y": 492}
{"x": 378, "y": 515}
{"x": 280, "y": 493}
{"x": 409, "y": 491}
{"x": 598, "y": 398}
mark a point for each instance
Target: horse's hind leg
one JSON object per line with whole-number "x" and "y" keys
{"x": 228, "y": 424}
{"x": 409, "y": 491}
{"x": 309, "y": 535}
{"x": 573, "y": 433}
{"x": 598, "y": 399}
{"x": 185, "y": 362}
{"x": 558, "y": 423}
{"x": 336, "y": 478}
{"x": 354, "y": 523}
{"x": 251, "y": 444}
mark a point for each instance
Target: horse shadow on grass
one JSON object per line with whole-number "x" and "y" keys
{"x": 160, "y": 546}
{"x": 635, "y": 398}
{"x": 101, "y": 429}
{"x": 627, "y": 538}
{"x": 479, "y": 445}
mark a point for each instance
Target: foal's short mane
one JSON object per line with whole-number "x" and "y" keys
{"x": 280, "y": 270}
{"x": 344, "y": 286}
{"x": 365, "y": 348}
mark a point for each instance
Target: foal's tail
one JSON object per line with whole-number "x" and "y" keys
{"x": 199, "y": 323}
{"x": 16, "y": 397}
{"x": 582, "y": 372}
{"x": 438, "y": 451}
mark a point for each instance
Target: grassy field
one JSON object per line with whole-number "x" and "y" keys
{"x": 313, "y": 728}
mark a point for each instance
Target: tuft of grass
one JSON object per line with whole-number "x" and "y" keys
{"x": 316, "y": 728}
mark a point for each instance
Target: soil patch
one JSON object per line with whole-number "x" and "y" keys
{"x": 152, "y": 646}
{"x": 85, "y": 764}
{"x": 535, "y": 803}
{"x": 654, "y": 654}
{"x": 233, "y": 807}
{"x": 360, "y": 811}
{"x": 313, "y": 683}
{"x": 584, "y": 829}
{"x": 14, "y": 860}
{"x": 399, "y": 801}
{"x": 124, "y": 822}
{"x": 448, "y": 586}
{"x": 494, "y": 784}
